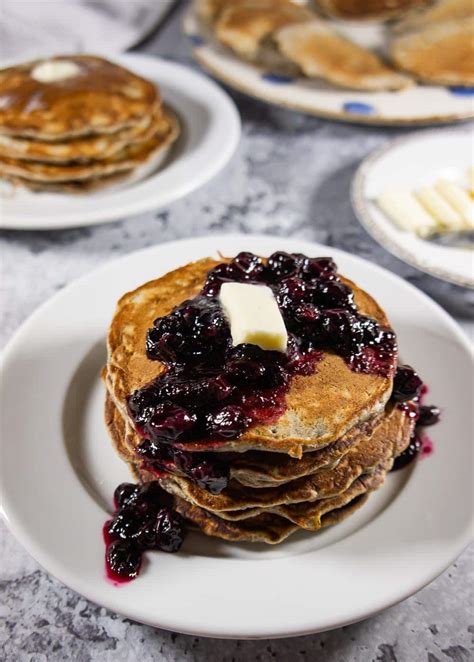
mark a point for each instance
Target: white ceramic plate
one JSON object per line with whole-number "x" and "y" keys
{"x": 210, "y": 133}
{"x": 58, "y": 472}
{"x": 420, "y": 104}
{"x": 408, "y": 163}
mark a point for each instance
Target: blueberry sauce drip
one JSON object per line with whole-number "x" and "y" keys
{"x": 142, "y": 521}
{"x": 205, "y": 469}
{"x": 212, "y": 392}
{"x": 409, "y": 392}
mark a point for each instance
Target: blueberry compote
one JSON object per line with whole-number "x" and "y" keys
{"x": 141, "y": 522}
{"x": 211, "y": 392}
{"x": 409, "y": 392}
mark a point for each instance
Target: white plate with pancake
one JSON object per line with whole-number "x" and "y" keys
{"x": 58, "y": 471}
{"x": 210, "y": 132}
{"x": 416, "y": 105}
{"x": 406, "y": 164}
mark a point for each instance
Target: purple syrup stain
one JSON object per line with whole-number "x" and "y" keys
{"x": 423, "y": 393}
{"x": 427, "y": 446}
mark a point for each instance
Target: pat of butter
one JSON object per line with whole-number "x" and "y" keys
{"x": 254, "y": 316}
{"x": 51, "y": 71}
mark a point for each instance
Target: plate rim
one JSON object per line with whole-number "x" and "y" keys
{"x": 27, "y": 221}
{"x": 21, "y": 534}
{"x": 199, "y": 55}
{"x": 361, "y": 210}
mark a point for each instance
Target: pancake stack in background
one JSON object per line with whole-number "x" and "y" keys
{"x": 426, "y": 41}
{"x": 79, "y": 123}
{"x": 311, "y": 467}
{"x": 360, "y": 10}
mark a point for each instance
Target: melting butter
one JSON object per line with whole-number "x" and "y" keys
{"x": 51, "y": 71}
{"x": 254, "y": 316}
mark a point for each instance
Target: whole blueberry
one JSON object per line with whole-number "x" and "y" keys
{"x": 169, "y": 530}
{"x": 123, "y": 559}
{"x": 406, "y": 384}
{"x": 428, "y": 415}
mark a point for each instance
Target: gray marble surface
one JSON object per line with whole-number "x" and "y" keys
{"x": 290, "y": 177}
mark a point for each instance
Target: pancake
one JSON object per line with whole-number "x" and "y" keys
{"x": 307, "y": 514}
{"x": 387, "y": 441}
{"x": 310, "y": 516}
{"x": 441, "y": 53}
{"x": 320, "y": 408}
{"x": 267, "y": 528}
{"x": 79, "y": 187}
{"x": 366, "y": 9}
{"x": 321, "y": 52}
{"x": 254, "y": 468}
{"x": 243, "y": 26}
{"x": 210, "y": 10}
{"x": 263, "y": 469}
{"x": 102, "y": 98}
{"x": 127, "y": 159}
{"x": 445, "y": 10}
{"x": 85, "y": 148}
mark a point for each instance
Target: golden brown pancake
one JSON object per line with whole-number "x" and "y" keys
{"x": 387, "y": 441}
{"x": 254, "y": 468}
{"x": 310, "y": 516}
{"x": 244, "y": 26}
{"x": 83, "y": 186}
{"x": 321, "y": 408}
{"x": 85, "y": 148}
{"x": 210, "y": 10}
{"x": 129, "y": 158}
{"x": 440, "y": 12}
{"x": 102, "y": 98}
{"x": 263, "y": 469}
{"x": 321, "y": 52}
{"x": 268, "y": 527}
{"x": 367, "y": 9}
{"x": 441, "y": 53}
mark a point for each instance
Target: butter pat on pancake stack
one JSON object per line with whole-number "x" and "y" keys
{"x": 78, "y": 123}
{"x": 253, "y": 445}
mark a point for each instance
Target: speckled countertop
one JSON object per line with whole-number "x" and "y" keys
{"x": 290, "y": 177}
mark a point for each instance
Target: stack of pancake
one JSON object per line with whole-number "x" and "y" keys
{"x": 433, "y": 42}
{"x": 314, "y": 466}
{"x": 78, "y": 123}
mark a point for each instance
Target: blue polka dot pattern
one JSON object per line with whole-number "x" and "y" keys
{"x": 196, "y": 39}
{"x": 277, "y": 78}
{"x": 462, "y": 91}
{"x": 358, "y": 108}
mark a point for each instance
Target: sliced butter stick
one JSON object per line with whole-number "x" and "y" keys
{"x": 471, "y": 180}
{"x": 439, "y": 208}
{"x": 406, "y": 212}
{"x": 457, "y": 198}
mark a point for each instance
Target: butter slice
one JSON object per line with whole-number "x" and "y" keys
{"x": 439, "y": 208}
{"x": 458, "y": 198}
{"x": 254, "y": 316}
{"x": 50, "y": 71}
{"x": 406, "y": 212}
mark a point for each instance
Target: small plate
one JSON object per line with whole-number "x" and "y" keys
{"x": 420, "y": 104}
{"x": 58, "y": 471}
{"x": 408, "y": 163}
{"x": 210, "y": 133}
